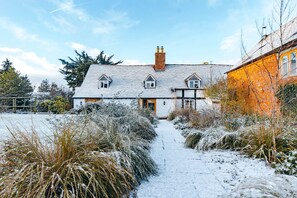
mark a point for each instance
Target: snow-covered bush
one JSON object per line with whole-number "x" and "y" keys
{"x": 192, "y": 139}
{"x": 128, "y": 150}
{"x": 276, "y": 186}
{"x": 64, "y": 167}
{"x": 213, "y": 138}
{"x": 289, "y": 165}
{"x": 101, "y": 154}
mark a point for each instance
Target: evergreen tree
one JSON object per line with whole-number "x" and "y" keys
{"x": 44, "y": 86}
{"x": 13, "y": 84}
{"x": 6, "y": 65}
{"x": 75, "y": 70}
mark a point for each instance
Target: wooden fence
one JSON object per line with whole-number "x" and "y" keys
{"x": 18, "y": 103}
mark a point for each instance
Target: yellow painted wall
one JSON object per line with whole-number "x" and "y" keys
{"x": 255, "y": 85}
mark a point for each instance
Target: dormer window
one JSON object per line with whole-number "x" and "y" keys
{"x": 193, "y": 81}
{"x": 104, "y": 82}
{"x": 150, "y": 82}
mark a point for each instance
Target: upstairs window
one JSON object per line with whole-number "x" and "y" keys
{"x": 293, "y": 63}
{"x": 150, "y": 82}
{"x": 194, "y": 84}
{"x": 104, "y": 82}
{"x": 285, "y": 66}
{"x": 193, "y": 81}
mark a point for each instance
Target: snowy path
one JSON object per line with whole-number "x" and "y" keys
{"x": 182, "y": 172}
{"x": 187, "y": 173}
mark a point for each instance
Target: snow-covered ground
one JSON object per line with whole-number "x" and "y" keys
{"x": 26, "y": 122}
{"x": 185, "y": 172}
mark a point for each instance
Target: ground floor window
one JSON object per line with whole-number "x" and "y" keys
{"x": 189, "y": 103}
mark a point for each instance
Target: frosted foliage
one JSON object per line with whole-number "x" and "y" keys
{"x": 269, "y": 186}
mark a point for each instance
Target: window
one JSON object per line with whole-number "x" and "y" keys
{"x": 150, "y": 82}
{"x": 293, "y": 70}
{"x": 193, "y": 81}
{"x": 285, "y": 66}
{"x": 103, "y": 84}
{"x": 194, "y": 84}
{"x": 189, "y": 104}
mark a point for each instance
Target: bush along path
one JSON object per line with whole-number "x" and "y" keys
{"x": 184, "y": 172}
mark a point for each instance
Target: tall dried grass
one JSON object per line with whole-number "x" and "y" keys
{"x": 92, "y": 155}
{"x": 30, "y": 167}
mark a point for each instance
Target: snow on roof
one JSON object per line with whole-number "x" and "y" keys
{"x": 128, "y": 80}
{"x": 271, "y": 42}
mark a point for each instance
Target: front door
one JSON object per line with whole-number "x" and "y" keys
{"x": 149, "y": 104}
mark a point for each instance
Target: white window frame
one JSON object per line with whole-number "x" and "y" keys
{"x": 285, "y": 65}
{"x": 194, "y": 84}
{"x": 293, "y": 71}
{"x": 150, "y": 84}
{"x": 103, "y": 84}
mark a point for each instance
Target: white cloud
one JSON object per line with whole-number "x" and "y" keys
{"x": 19, "y": 32}
{"x": 36, "y": 67}
{"x": 80, "y": 47}
{"x": 71, "y": 13}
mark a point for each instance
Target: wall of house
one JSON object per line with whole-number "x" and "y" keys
{"x": 189, "y": 93}
{"x": 77, "y": 103}
{"x": 254, "y": 86}
{"x": 164, "y": 107}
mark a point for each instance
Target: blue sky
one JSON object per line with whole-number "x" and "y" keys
{"x": 36, "y": 33}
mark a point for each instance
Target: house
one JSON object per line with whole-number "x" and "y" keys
{"x": 254, "y": 81}
{"x": 160, "y": 87}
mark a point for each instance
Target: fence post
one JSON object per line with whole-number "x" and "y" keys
{"x": 35, "y": 104}
{"x": 14, "y": 105}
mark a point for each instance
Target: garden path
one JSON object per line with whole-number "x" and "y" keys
{"x": 188, "y": 173}
{"x": 182, "y": 171}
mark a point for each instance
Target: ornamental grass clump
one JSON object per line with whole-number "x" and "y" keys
{"x": 62, "y": 167}
{"x": 129, "y": 120}
{"x": 127, "y": 148}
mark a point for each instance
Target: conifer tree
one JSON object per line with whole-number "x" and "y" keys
{"x": 76, "y": 68}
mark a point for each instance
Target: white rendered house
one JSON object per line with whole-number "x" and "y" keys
{"x": 160, "y": 87}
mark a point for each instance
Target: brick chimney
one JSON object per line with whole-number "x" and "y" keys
{"x": 159, "y": 59}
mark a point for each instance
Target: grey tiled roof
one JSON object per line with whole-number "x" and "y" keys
{"x": 127, "y": 80}
{"x": 272, "y": 41}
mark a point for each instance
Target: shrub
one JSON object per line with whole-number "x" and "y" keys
{"x": 202, "y": 119}
{"x": 232, "y": 124}
{"x": 259, "y": 143}
{"x": 193, "y": 139}
{"x": 58, "y": 105}
{"x": 289, "y": 166}
{"x": 128, "y": 150}
{"x": 287, "y": 94}
{"x": 147, "y": 113}
{"x": 92, "y": 155}
{"x": 64, "y": 168}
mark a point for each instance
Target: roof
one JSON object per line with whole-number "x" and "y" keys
{"x": 270, "y": 43}
{"x": 127, "y": 80}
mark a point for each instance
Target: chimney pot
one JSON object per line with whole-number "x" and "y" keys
{"x": 159, "y": 59}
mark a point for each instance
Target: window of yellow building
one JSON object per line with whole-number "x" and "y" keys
{"x": 293, "y": 64}
{"x": 285, "y": 66}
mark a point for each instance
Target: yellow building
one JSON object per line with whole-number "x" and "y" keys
{"x": 254, "y": 81}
